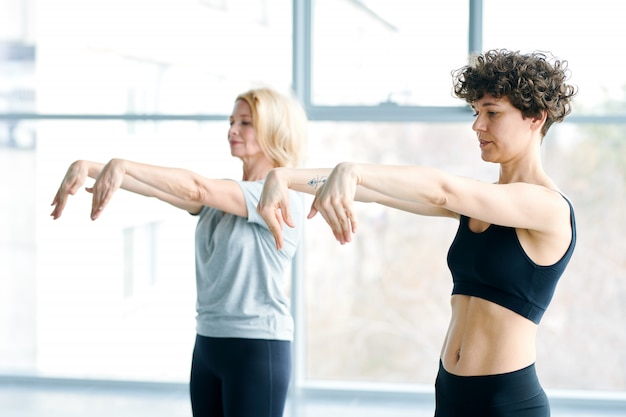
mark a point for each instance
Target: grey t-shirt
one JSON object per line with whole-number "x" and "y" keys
{"x": 240, "y": 275}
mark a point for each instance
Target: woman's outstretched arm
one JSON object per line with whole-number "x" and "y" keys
{"x": 521, "y": 205}
{"x": 274, "y": 203}
{"x": 179, "y": 187}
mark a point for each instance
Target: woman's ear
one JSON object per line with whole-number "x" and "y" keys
{"x": 538, "y": 121}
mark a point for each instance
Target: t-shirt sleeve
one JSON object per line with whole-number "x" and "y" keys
{"x": 252, "y": 194}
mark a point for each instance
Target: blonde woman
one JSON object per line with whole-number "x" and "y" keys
{"x": 241, "y": 363}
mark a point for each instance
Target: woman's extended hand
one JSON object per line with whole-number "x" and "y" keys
{"x": 108, "y": 182}
{"x": 334, "y": 202}
{"x": 274, "y": 205}
{"x": 74, "y": 179}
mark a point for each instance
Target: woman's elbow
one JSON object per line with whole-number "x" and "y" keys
{"x": 439, "y": 198}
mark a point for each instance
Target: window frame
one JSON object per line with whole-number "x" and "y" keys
{"x": 303, "y": 82}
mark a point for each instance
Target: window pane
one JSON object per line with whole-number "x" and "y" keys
{"x": 17, "y": 71}
{"x": 140, "y": 56}
{"x": 588, "y": 35}
{"x": 379, "y": 51}
{"x": 18, "y": 300}
{"x": 378, "y": 307}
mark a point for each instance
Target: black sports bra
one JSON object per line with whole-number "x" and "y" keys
{"x": 493, "y": 265}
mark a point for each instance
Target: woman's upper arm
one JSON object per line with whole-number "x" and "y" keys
{"x": 414, "y": 207}
{"x": 519, "y": 205}
{"x": 225, "y": 195}
{"x": 222, "y": 194}
{"x": 190, "y": 206}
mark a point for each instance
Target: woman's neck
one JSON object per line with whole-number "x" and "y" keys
{"x": 256, "y": 172}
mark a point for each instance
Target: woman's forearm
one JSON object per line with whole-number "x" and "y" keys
{"x": 423, "y": 185}
{"x": 179, "y": 183}
{"x": 129, "y": 183}
{"x": 306, "y": 180}
{"x": 309, "y": 180}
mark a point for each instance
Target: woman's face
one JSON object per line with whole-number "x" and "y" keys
{"x": 241, "y": 134}
{"x": 503, "y": 133}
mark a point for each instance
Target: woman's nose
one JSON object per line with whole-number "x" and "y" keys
{"x": 478, "y": 124}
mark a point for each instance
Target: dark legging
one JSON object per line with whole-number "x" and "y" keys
{"x": 511, "y": 394}
{"x": 233, "y": 377}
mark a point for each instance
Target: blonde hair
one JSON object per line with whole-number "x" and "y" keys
{"x": 280, "y": 124}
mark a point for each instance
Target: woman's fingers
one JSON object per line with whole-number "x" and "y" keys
{"x": 274, "y": 206}
{"x": 101, "y": 195}
{"x": 73, "y": 180}
{"x": 59, "y": 204}
{"x": 338, "y": 215}
{"x": 108, "y": 182}
{"x": 277, "y": 228}
{"x": 334, "y": 201}
{"x": 273, "y": 216}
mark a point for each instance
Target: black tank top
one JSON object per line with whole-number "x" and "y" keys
{"x": 493, "y": 265}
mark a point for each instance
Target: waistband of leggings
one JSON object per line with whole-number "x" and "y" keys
{"x": 500, "y": 388}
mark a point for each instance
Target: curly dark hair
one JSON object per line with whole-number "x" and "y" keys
{"x": 531, "y": 82}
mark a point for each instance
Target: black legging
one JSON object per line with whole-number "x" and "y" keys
{"x": 232, "y": 377}
{"x": 515, "y": 393}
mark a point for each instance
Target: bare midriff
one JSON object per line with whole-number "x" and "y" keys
{"x": 486, "y": 339}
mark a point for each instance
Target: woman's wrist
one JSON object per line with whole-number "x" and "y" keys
{"x": 350, "y": 170}
{"x": 278, "y": 176}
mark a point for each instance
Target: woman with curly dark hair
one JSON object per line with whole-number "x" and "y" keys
{"x": 515, "y": 236}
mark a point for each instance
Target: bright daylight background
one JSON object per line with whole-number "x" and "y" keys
{"x": 114, "y": 299}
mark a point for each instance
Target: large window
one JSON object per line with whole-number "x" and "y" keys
{"x": 153, "y": 81}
